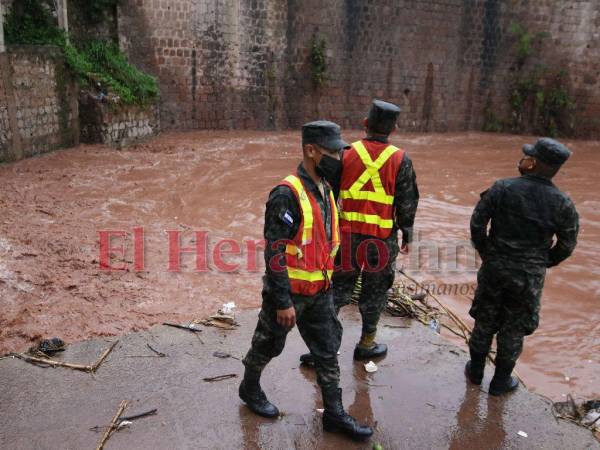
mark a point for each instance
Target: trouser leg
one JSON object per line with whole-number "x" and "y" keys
{"x": 481, "y": 337}
{"x": 322, "y": 332}
{"x": 268, "y": 340}
{"x": 379, "y": 256}
{"x": 343, "y": 284}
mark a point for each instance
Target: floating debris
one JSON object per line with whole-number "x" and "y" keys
{"x": 371, "y": 367}
{"x": 124, "y": 424}
{"x": 401, "y": 304}
{"x": 158, "y": 353}
{"x": 113, "y": 425}
{"x": 224, "y": 355}
{"x": 219, "y": 320}
{"x": 47, "y": 347}
{"x": 47, "y": 362}
{"x": 227, "y": 308}
{"x": 586, "y": 413}
{"x": 220, "y": 377}
{"x": 191, "y": 327}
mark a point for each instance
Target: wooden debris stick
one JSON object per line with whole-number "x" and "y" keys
{"x": 113, "y": 425}
{"x": 104, "y": 355}
{"x": 152, "y": 412}
{"x": 183, "y": 327}
{"x": 161, "y": 354}
{"x": 466, "y": 332}
{"x": 90, "y": 368}
{"x": 220, "y": 377}
{"x": 50, "y": 362}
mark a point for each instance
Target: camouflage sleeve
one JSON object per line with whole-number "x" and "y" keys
{"x": 566, "y": 235}
{"x": 484, "y": 211}
{"x": 282, "y": 220}
{"x": 406, "y": 199}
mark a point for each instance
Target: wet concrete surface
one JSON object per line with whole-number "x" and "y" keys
{"x": 52, "y": 208}
{"x": 418, "y": 399}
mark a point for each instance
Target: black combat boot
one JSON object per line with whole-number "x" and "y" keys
{"x": 475, "y": 367}
{"x": 307, "y": 359}
{"x": 502, "y": 381}
{"x": 376, "y": 351}
{"x": 251, "y": 393}
{"x": 336, "y": 420}
{"x": 367, "y": 348}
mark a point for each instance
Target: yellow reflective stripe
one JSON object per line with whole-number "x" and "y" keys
{"x": 305, "y": 275}
{"x": 376, "y": 197}
{"x": 372, "y": 219}
{"x": 307, "y": 213}
{"x": 335, "y": 225}
{"x": 371, "y": 173}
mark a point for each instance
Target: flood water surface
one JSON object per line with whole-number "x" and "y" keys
{"x": 57, "y": 209}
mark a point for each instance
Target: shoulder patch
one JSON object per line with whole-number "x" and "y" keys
{"x": 286, "y": 217}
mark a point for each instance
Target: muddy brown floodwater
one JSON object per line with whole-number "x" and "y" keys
{"x": 54, "y": 206}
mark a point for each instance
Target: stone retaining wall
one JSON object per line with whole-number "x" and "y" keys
{"x": 38, "y": 102}
{"x": 116, "y": 125}
{"x": 246, "y": 64}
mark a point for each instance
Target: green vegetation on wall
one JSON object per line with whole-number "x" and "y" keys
{"x": 99, "y": 65}
{"x": 317, "y": 61}
{"x": 539, "y": 96}
{"x": 31, "y": 22}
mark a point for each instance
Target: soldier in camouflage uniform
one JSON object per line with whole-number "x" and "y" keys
{"x": 296, "y": 286}
{"x": 379, "y": 196}
{"x": 526, "y": 213}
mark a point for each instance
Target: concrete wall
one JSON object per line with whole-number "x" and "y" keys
{"x": 38, "y": 102}
{"x": 245, "y": 63}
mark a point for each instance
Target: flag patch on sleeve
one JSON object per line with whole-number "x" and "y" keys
{"x": 287, "y": 218}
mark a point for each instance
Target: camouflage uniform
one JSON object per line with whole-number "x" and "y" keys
{"x": 375, "y": 284}
{"x": 315, "y": 315}
{"x": 526, "y": 213}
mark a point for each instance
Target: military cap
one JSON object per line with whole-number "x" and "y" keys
{"x": 382, "y": 117}
{"x": 548, "y": 151}
{"x": 324, "y": 133}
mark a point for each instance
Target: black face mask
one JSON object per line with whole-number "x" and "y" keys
{"x": 329, "y": 168}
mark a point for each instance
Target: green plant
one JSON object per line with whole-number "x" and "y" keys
{"x": 525, "y": 41}
{"x": 543, "y": 99}
{"x": 95, "y": 63}
{"x": 491, "y": 122}
{"x": 317, "y": 61}
{"x": 31, "y": 22}
{"x": 111, "y": 69}
{"x": 539, "y": 97}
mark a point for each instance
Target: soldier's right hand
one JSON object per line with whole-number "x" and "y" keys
{"x": 286, "y": 317}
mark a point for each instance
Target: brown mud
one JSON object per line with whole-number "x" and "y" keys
{"x": 53, "y": 206}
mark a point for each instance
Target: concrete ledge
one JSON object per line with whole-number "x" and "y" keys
{"x": 418, "y": 399}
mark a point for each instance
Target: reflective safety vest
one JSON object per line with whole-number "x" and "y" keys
{"x": 310, "y": 255}
{"x": 367, "y": 188}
